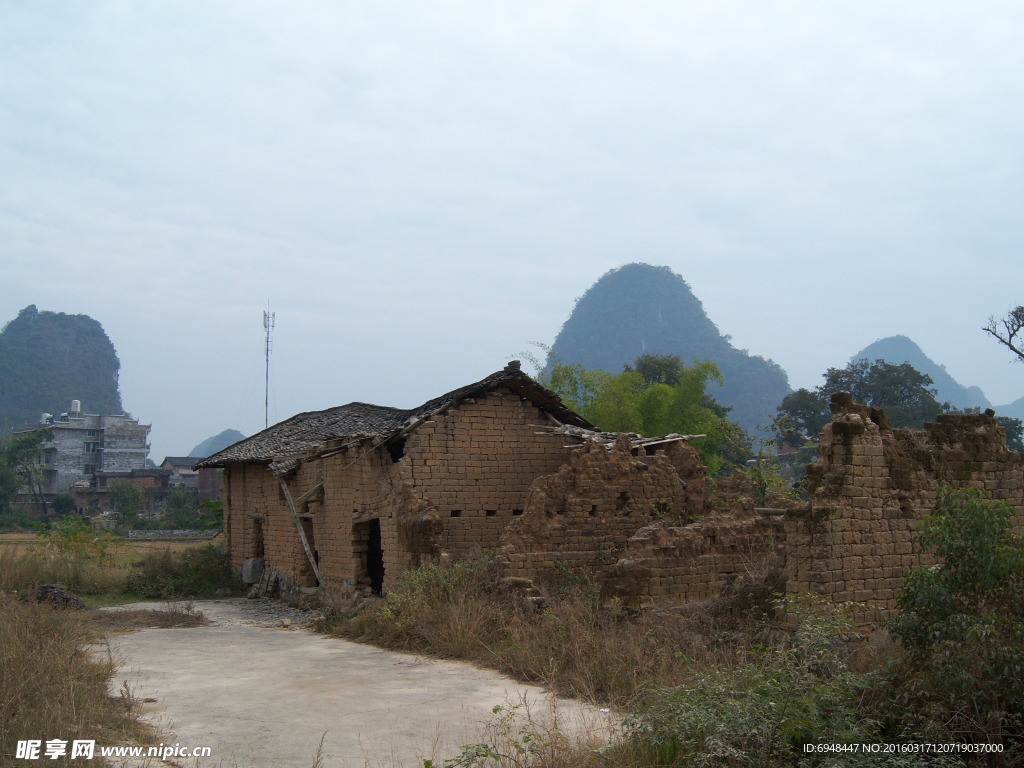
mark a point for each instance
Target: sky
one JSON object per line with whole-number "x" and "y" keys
{"x": 419, "y": 191}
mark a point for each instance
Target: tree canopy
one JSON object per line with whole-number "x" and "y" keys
{"x": 656, "y": 395}
{"x": 640, "y": 309}
{"x": 906, "y": 395}
{"x": 18, "y": 468}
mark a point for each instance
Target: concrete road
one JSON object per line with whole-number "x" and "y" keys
{"x": 261, "y": 695}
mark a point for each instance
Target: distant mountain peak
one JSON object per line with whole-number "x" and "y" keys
{"x": 901, "y": 349}
{"x": 218, "y": 442}
{"x": 48, "y": 359}
{"x": 639, "y": 309}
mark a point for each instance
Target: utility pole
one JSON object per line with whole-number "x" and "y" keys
{"x": 268, "y": 329}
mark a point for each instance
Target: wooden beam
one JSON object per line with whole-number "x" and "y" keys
{"x": 309, "y": 494}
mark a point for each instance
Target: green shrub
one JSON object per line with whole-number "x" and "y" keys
{"x": 962, "y": 622}
{"x": 198, "y": 572}
{"x": 763, "y": 711}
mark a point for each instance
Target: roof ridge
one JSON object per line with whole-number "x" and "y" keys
{"x": 311, "y": 429}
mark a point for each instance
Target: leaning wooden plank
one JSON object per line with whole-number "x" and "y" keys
{"x": 302, "y": 533}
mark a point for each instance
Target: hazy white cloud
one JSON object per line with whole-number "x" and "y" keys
{"x": 421, "y": 189}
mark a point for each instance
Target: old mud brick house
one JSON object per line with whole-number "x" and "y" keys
{"x": 347, "y": 497}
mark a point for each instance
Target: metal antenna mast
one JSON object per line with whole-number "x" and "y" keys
{"x": 268, "y": 328}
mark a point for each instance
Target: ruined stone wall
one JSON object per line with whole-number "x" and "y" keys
{"x": 475, "y": 463}
{"x": 871, "y": 487}
{"x": 651, "y": 529}
{"x": 678, "y": 564}
{"x": 362, "y": 485}
{"x": 579, "y": 519}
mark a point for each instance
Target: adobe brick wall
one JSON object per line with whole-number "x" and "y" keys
{"x": 461, "y": 478}
{"x": 580, "y": 518}
{"x": 651, "y": 529}
{"x": 872, "y": 486}
{"x": 475, "y": 464}
{"x": 678, "y": 564}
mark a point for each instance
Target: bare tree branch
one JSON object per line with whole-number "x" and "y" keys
{"x": 1006, "y": 329}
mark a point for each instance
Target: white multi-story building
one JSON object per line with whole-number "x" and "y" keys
{"x": 82, "y": 445}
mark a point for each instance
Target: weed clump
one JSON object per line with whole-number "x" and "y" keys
{"x": 569, "y": 640}
{"x": 197, "y": 572}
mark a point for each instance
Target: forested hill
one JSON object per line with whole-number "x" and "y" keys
{"x": 48, "y": 359}
{"x": 899, "y": 349}
{"x": 642, "y": 309}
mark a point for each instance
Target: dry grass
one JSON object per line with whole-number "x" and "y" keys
{"x": 575, "y": 646}
{"x": 144, "y": 572}
{"x": 133, "y": 549}
{"x": 53, "y": 683}
{"x": 51, "y": 686}
{"x": 174, "y": 615}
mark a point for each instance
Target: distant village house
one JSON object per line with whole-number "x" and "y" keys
{"x": 86, "y": 453}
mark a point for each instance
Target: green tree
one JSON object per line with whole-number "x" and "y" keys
{"x": 802, "y": 415}
{"x": 19, "y": 468}
{"x": 656, "y": 396}
{"x": 128, "y": 500}
{"x": 658, "y": 369}
{"x": 179, "y": 509}
{"x": 962, "y": 623}
{"x": 906, "y": 395}
{"x": 1014, "y": 432}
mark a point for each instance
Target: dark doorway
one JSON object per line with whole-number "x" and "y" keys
{"x": 255, "y": 548}
{"x": 375, "y": 558}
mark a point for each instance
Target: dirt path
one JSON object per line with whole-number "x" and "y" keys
{"x": 262, "y": 695}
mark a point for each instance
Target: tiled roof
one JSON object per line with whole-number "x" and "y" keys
{"x": 181, "y": 461}
{"x": 296, "y": 436}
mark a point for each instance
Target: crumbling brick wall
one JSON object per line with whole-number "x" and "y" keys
{"x": 872, "y": 486}
{"x": 678, "y": 564}
{"x": 579, "y": 519}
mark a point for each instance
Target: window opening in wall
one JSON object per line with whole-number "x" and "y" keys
{"x": 397, "y": 449}
{"x": 593, "y": 510}
{"x": 456, "y": 513}
{"x": 491, "y": 512}
{"x": 622, "y": 503}
{"x": 517, "y": 512}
